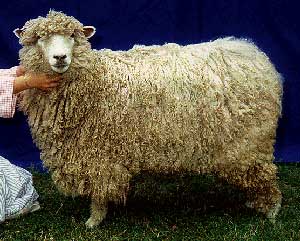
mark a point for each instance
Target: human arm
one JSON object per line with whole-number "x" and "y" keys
{"x": 15, "y": 80}
{"x": 25, "y": 81}
{"x": 7, "y": 98}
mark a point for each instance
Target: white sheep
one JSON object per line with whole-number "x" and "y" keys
{"x": 203, "y": 108}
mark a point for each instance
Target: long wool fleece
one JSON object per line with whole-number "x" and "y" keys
{"x": 210, "y": 107}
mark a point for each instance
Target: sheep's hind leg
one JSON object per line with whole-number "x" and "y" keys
{"x": 263, "y": 194}
{"x": 259, "y": 182}
{"x": 98, "y": 213}
{"x": 271, "y": 213}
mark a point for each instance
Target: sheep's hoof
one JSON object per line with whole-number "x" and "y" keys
{"x": 272, "y": 213}
{"x": 92, "y": 222}
{"x": 97, "y": 215}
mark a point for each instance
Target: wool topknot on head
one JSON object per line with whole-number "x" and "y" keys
{"x": 56, "y": 35}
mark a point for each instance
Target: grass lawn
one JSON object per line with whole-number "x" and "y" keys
{"x": 162, "y": 208}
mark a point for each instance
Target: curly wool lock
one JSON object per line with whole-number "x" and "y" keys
{"x": 203, "y": 108}
{"x": 55, "y": 22}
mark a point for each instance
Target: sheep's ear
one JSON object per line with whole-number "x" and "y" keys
{"x": 89, "y": 31}
{"x": 18, "y": 32}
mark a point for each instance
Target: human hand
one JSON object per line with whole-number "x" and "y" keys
{"x": 41, "y": 81}
{"x": 26, "y": 80}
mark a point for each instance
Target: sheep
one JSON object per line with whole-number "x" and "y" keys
{"x": 208, "y": 108}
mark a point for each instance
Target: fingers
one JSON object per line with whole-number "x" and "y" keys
{"x": 51, "y": 82}
{"x": 55, "y": 79}
{"x": 48, "y": 78}
{"x": 49, "y": 87}
{"x": 43, "y": 81}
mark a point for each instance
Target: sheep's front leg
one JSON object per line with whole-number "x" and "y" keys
{"x": 98, "y": 213}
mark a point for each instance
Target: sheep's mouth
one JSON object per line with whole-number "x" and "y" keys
{"x": 60, "y": 68}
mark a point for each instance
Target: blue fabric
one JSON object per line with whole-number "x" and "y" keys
{"x": 272, "y": 25}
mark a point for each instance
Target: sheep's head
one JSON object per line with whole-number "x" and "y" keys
{"x": 55, "y": 38}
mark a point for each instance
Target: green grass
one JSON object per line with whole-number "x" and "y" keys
{"x": 162, "y": 208}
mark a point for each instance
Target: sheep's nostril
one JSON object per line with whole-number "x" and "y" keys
{"x": 60, "y": 57}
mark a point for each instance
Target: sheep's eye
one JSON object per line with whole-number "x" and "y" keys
{"x": 72, "y": 35}
{"x": 40, "y": 38}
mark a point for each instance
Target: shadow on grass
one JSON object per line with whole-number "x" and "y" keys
{"x": 149, "y": 195}
{"x": 185, "y": 194}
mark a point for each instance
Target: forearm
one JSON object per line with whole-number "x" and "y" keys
{"x": 7, "y": 98}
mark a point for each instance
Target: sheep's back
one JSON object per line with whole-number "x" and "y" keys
{"x": 183, "y": 104}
